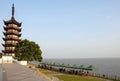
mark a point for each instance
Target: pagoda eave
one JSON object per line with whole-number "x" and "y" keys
{"x": 11, "y": 33}
{"x": 20, "y": 29}
{"x": 3, "y": 45}
{"x": 5, "y": 39}
{"x": 12, "y": 21}
{"x": 4, "y": 33}
{"x": 8, "y": 51}
{"x": 7, "y": 28}
{"x": 19, "y": 35}
{"x": 8, "y": 45}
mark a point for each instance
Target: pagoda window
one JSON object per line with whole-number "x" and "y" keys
{"x": 10, "y": 30}
{"x": 16, "y": 31}
{"x": 9, "y": 25}
{"x": 12, "y": 41}
{"x": 9, "y": 36}
{"x": 12, "y": 48}
{"x": 7, "y": 48}
{"x": 7, "y": 42}
{"x": 12, "y": 36}
{"x": 14, "y": 25}
{"x": 15, "y": 36}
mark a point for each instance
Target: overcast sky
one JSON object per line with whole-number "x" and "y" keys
{"x": 68, "y": 28}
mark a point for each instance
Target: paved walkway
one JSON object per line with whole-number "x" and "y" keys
{"x": 0, "y": 72}
{"x": 16, "y": 72}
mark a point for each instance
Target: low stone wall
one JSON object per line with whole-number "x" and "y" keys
{"x": 23, "y": 63}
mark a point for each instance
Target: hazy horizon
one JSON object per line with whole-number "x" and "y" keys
{"x": 68, "y": 28}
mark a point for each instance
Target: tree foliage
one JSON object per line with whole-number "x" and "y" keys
{"x": 28, "y": 50}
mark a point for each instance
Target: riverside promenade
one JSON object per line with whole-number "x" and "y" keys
{"x": 17, "y": 72}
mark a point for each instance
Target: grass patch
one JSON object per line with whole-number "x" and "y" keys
{"x": 68, "y": 77}
{"x": 77, "y": 78}
{"x": 47, "y": 72}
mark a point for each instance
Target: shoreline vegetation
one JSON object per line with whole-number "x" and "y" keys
{"x": 53, "y": 75}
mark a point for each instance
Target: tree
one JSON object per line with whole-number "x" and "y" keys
{"x": 28, "y": 50}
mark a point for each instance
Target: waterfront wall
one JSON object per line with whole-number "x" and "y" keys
{"x": 24, "y": 63}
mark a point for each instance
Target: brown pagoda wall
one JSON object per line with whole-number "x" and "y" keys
{"x": 10, "y": 48}
{"x": 12, "y": 31}
{"x": 11, "y": 42}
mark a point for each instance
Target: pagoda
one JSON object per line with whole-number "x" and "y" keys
{"x": 11, "y": 35}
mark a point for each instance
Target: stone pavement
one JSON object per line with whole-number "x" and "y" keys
{"x": 16, "y": 72}
{"x": 0, "y": 72}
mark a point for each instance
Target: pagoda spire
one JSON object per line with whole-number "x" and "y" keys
{"x": 12, "y": 20}
{"x": 13, "y": 10}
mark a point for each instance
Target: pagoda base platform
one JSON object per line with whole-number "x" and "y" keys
{"x": 7, "y": 59}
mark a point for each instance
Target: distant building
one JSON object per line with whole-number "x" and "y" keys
{"x": 11, "y": 35}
